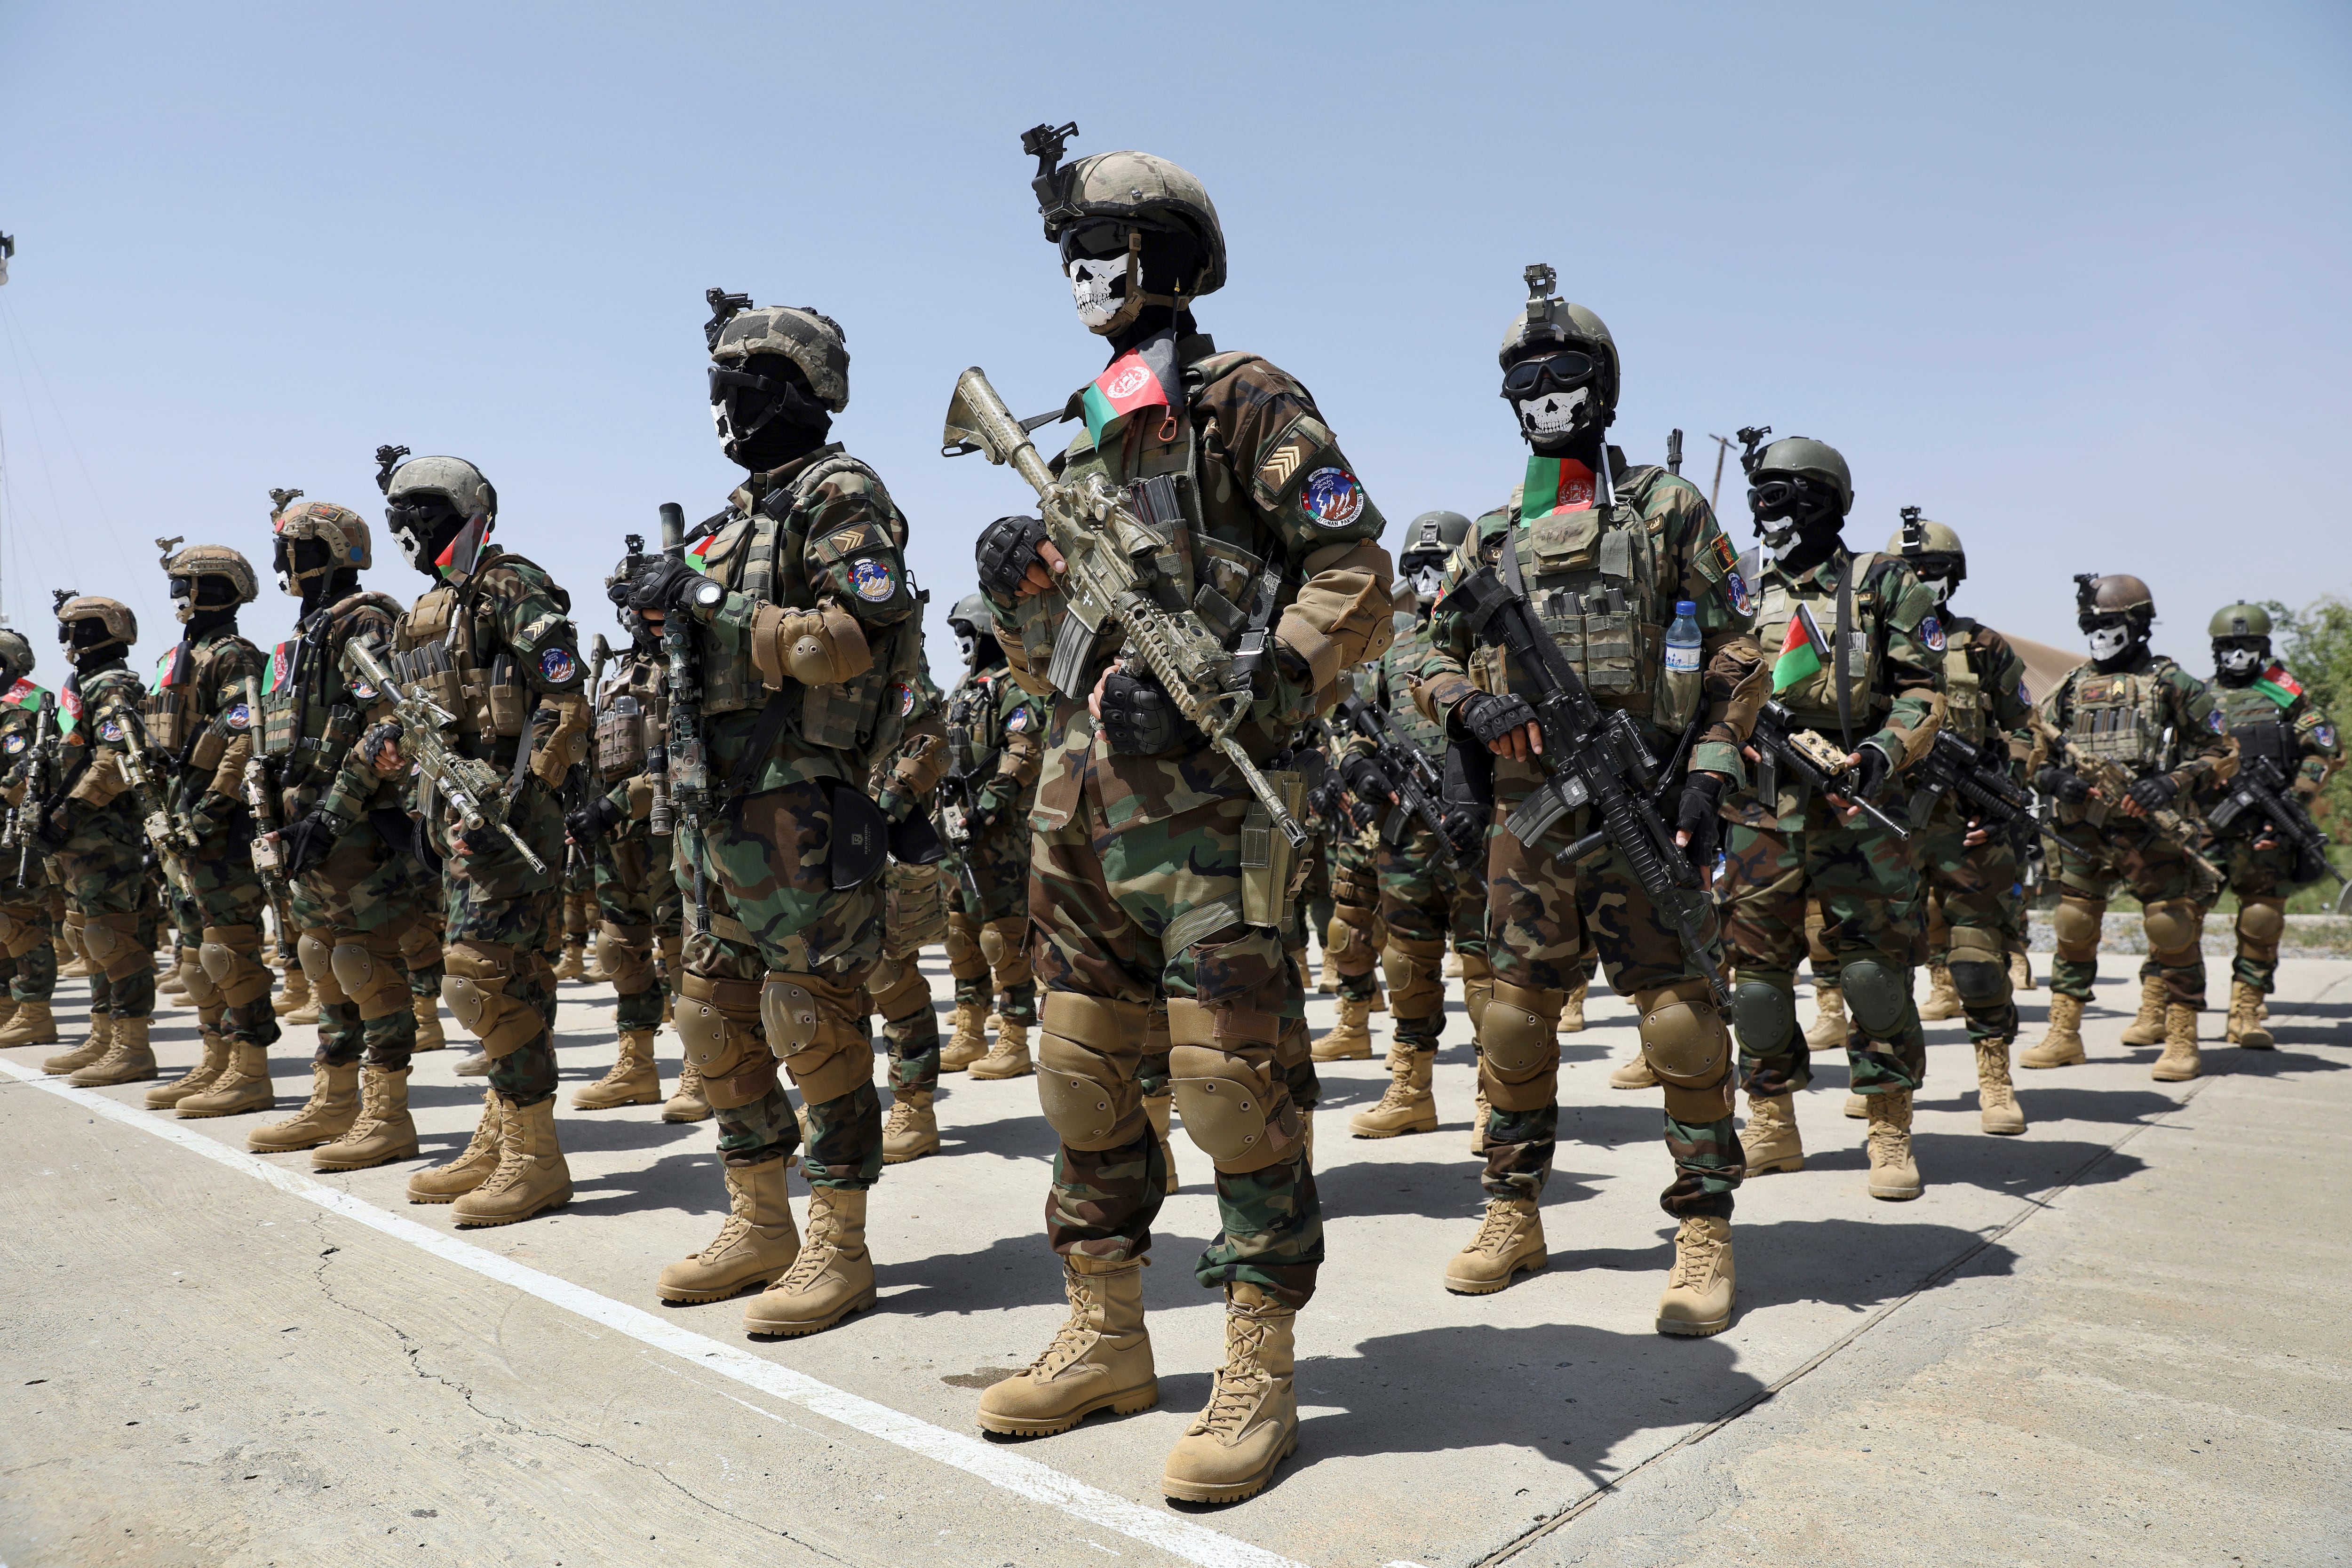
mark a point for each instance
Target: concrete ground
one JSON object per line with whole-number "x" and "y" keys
{"x": 2119, "y": 1338}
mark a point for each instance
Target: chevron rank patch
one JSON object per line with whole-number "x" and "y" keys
{"x": 1276, "y": 473}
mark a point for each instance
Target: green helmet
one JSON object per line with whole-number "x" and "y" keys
{"x": 2240, "y": 621}
{"x": 1545, "y": 322}
{"x": 971, "y": 613}
{"x": 16, "y": 658}
{"x": 1804, "y": 455}
{"x": 1437, "y": 534}
{"x": 1931, "y": 540}
{"x": 1138, "y": 190}
{"x": 806, "y": 336}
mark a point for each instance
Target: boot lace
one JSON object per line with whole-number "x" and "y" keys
{"x": 1696, "y": 1251}
{"x": 1240, "y": 1383}
{"x": 1501, "y": 1226}
{"x": 816, "y": 1254}
{"x": 901, "y": 1114}
{"x": 1076, "y": 1335}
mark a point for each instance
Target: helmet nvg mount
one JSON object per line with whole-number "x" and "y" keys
{"x": 1547, "y": 324}
{"x": 1931, "y": 548}
{"x": 2240, "y": 620}
{"x": 187, "y": 570}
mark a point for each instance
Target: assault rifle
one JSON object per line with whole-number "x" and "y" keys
{"x": 1814, "y": 761}
{"x": 2261, "y": 788}
{"x": 23, "y": 816}
{"x": 2110, "y": 783}
{"x": 261, "y": 795}
{"x": 167, "y": 835}
{"x": 1410, "y": 771}
{"x": 1590, "y": 757}
{"x": 686, "y": 764}
{"x": 1102, "y": 542}
{"x": 1970, "y": 774}
{"x": 468, "y": 784}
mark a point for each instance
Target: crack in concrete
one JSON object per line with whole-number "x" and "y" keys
{"x": 413, "y": 1352}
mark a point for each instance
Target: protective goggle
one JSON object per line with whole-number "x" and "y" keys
{"x": 726, "y": 380}
{"x": 419, "y": 516}
{"x": 2103, "y": 621}
{"x": 1933, "y": 566}
{"x": 1789, "y": 496}
{"x": 1095, "y": 241}
{"x": 1561, "y": 371}
{"x": 184, "y": 587}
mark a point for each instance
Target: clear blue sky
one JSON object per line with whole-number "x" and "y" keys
{"x": 2071, "y": 277}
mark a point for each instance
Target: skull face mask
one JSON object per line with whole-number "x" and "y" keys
{"x": 1102, "y": 288}
{"x": 2109, "y": 639}
{"x": 2236, "y": 660}
{"x": 1426, "y": 576}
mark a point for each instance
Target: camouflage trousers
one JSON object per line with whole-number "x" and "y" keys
{"x": 1354, "y": 936}
{"x": 1968, "y": 892}
{"x": 915, "y": 915}
{"x": 774, "y": 911}
{"x": 29, "y": 954}
{"x": 1860, "y": 876}
{"x": 1133, "y": 914}
{"x": 999, "y": 863}
{"x": 2263, "y": 879}
{"x": 640, "y": 913}
{"x": 106, "y": 882}
{"x": 1312, "y": 907}
{"x": 500, "y": 911}
{"x": 372, "y": 896}
{"x": 221, "y": 908}
{"x": 1542, "y": 920}
{"x": 1426, "y": 899}
{"x": 2088, "y": 861}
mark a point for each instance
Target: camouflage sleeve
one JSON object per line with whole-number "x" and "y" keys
{"x": 2209, "y": 755}
{"x": 1022, "y": 723}
{"x": 1705, "y": 568}
{"x": 230, "y": 744}
{"x": 367, "y": 623}
{"x": 2048, "y": 718}
{"x": 1913, "y": 668}
{"x": 1445, "y": 673}
{"x": 853, "y": 555}
{"x": 536, "y": 626}
{"x": 111, "y": 715}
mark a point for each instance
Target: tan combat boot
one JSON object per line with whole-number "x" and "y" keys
{"x": 832, "y": 1278}
{"x": 912, "y": 1129}
{"x": 164, "y": 1096}
{"x": 1769, "y": 1139}
{"x": 30, "y": 1024}
{"x": 2061, "y": 1044}
{"x": 2020, "y": 973}
{"x": 687, "y": 1104}
{"x": 244, "y": 1087}
{"x": 967, "y": 1040}
{"x": 327, "y": 1115}
{"x": 1857, "y": 1106}
{"x": 1894, "y": 1176}
{"x": 756, "y": 1242}
{"x": 1635, "y": 1074}
{"x": 128, "y": 1060}
{"x": 1011, "y": 1057}
{"x": 2147, "y": 1027}
{"x": 1408, "y": 1106}
{"x": 384, "y": 1131}
{"x": 1329, "y": 984}
{"x": 1943, "y": 1001}
{"x": 472, "y": 1167}
{"x": 574, "y": 965}
{"x": 1099, "y": 1359}
{"x": 632, "y": 1081}
{"x": 1700, "y": 1290}
{"x": 1509, "y": 1238}
{"x": 2245, "y": 1025}
{"x": 1997, "y": 1108}
{"x": 429, "y": 1037}
{"x": 1250, "y": 1426}
{"x": 1829, "y": 1028}
{"x": 101, "y": 1037}
{"x": 1453, "y": 966}
{"x": 531, "y": 1177}
{"x": 168, "y": 983}
{"x": 1156, "y": 1107}
{"x": 75, "y": 968}
{"x": 1480, "y": 1111}
{"x": 1349, "y": 1039}
{"x": 1571, "y": 1011}
{"x": 294, "y": 994}
{"x": 476, "y": 1065}
{"x": 2178, "y": 1064}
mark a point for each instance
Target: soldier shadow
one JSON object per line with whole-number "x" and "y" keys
{"x": 1431, "y": 1189}
{"x": 687, "y": 1179}
{"x": 1015, "y": 1271}
{"x": 1007, "y": 1137}
{"x": 2277, "y": 1063}
{"x": 1849, "y": 1263}
{"x": 2008, "y": 1166}
{"x": 2056, "y": 1104}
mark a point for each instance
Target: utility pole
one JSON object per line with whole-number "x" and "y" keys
{"x": 1722, "y": 450}
{"x": 7, "y": 249}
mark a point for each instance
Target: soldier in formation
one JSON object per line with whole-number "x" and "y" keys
{"x": 914, "y": 914}
{"x": 995, "y": 733}
{"x": 31, "y": 901}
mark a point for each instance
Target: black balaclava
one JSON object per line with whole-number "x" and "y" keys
{"x": 321, "y": 581}
{"x": 424, "y": 529}
{"x": 213, "y": 601}
{"x": 89, "y": 646}
{"x": 1799, "y": 518}
{"x": 1575, "y": 395}
{"x": 763, "y": 426}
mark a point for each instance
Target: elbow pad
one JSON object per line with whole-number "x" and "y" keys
{"x": 823, "y": 646}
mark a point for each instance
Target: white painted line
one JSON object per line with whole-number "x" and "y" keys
{"x": 999, "y": 1467}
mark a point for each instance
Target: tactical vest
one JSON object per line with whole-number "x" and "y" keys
{"x": 439, "y": 643}
{"x": 762, "y": 555}
{"x": 2242, "y": 707}
{"x": 2121, "y": 718}
{"x": 177, "y": 716}
{"x": 632, "y": 716}
{"x": 1966, "y": 711}
{"x": 304, "y": 723}
{"x": 975, "y": 732}
{"x": 1812, "y": 701}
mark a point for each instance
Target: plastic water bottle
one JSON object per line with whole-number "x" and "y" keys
{"x": 1679, "y": 698}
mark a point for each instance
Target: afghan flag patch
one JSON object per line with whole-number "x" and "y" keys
{"x": 2280, "y": 687}
{"x": 1555, "y": 484}
{"x": 175, "y": 667}
{"x": 24, "y": 694}
{"x": 281, "y": 668}
{"x": 69, "y": 708}
{"x": 1802, "y": 652}
{"x": 1141, "y": 378}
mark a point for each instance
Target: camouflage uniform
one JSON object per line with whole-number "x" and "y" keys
{"x": 102, "y": 861}
{"x": 2273, "y": 716}
{"x": 915, "y": 912}
{"x": 28, "y": 955}
{"x": 640, "y": 906}
{"x": 1139, "y": 889}
{"x": 995, "y": 733}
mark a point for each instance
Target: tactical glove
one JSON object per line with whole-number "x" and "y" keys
{"x": 1698, "y": 815}
{"x": 1465, "y": 830}
{"x": 1142, "y": 721}
{"x": 1490, "y": 718}
{"x": 592, "y": 822}
{"x": 379, "y": 736}
{"x": 1364, "y": 777}
{"x": 1007, "y": 549}
{"x": 306, "y": 841}
{"x": 660, "y": 583}
{"x": 2060, "y": 785}
{"x": 2154, "y": 792}
{"x": 1872, "y": 773}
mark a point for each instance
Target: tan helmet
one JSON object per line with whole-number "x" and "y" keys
{"x": 16, "y": 656}
{"x": 453, "y": 478}
{"x": 1920, "y": 536}
{"x": 200, "y": 561}
{"x": 122, "y": 625}
{"x": 806, "y": 336}
{"x": 1128, "y": 187}
{"x": 342, "y": 531}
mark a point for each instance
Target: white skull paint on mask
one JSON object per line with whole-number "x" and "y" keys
{"x": 1094, "y": 285}
{"x": 967, "y": 643}
{"x": 2106, "y": 642}
{"x": 1939, "y": 586}
{"x": 412, "y": 547}
{"x": 2237, "y": 660}
{"x": 1554, "y": 413}
{"x": 1427, "y": 579}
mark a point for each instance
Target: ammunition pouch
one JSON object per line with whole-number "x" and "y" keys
{"x": 627, "y": 955}
{"x": 231, "y": 956}
{"x": 1979, "y": 963}
{"x": 475, "y": 988}
{"x": 2173, "y": 929}
{"x": 1086, "y": 1066}
{"x": 818, "y": 1027}
{"x": 1685, "y": 1044}
{"x": 1518, "y": 1047}
{"x": 1875, "y": 995}
{"x": 2075, "y": 925}
{"x": 1766, "y": 1016}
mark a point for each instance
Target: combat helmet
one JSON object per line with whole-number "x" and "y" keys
{"x": 342, "y": 531}
{"x": 120, "y": 625}
{"x": 453, "y": 479}
{"x": 2240, "y": 620}
{"x": 17, "y": 659}
{"x": 1925, "y": 544}
{"x": 808, "y": 337}
{"x": 971, "y": 613}
{"x": 198, "y": 562}
{"x": 1806, "y": 457}
{"x": 1549, "y": 322}
{"x": 1435, "y": 533}
{"x": 2118, "y": 593}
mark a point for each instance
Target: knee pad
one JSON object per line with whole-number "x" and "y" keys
{"x": 115, "y": 945}
{"x": 1685, "y": 1044}
{"x": 1477, "y": 988}
{"x": 626, "y": 954}
{"x": 316, "y": 955}
{"x": 1088, "y": 1061}
{"x": 476, "y": 990}
{"x": 1003, "y": 943}
{"x": 71, "y": 932}
{"x": 28, "y": 936}
{"x": 1518, "y": 1047}
{"x": 716, "y": 1027}
{"x": 965, "y": 959}
{"x": 10, "y": 927}
{"x": 1765, "y": 1015}
{"x": 420, "y": 945}
{"x": 1875, "y": 995}
{"x": 1348, "y": 939}
{"x": 373, "y": 979}
{"x": 818, "y": 1027}
{"x": 2173, "y": 929}
{"x": 2261, "y": 922}
{"x": 2075, "y": 924}
{"x": 231, "y": 956}
{"x": 1239, "y": 1112}
{"x": 1979, "y": 963}
{"x": 198, "y": 984}
{"x": 899, "y": 991}
{"x": 992, "y": 944}
{"x": 1415, "y": 968}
